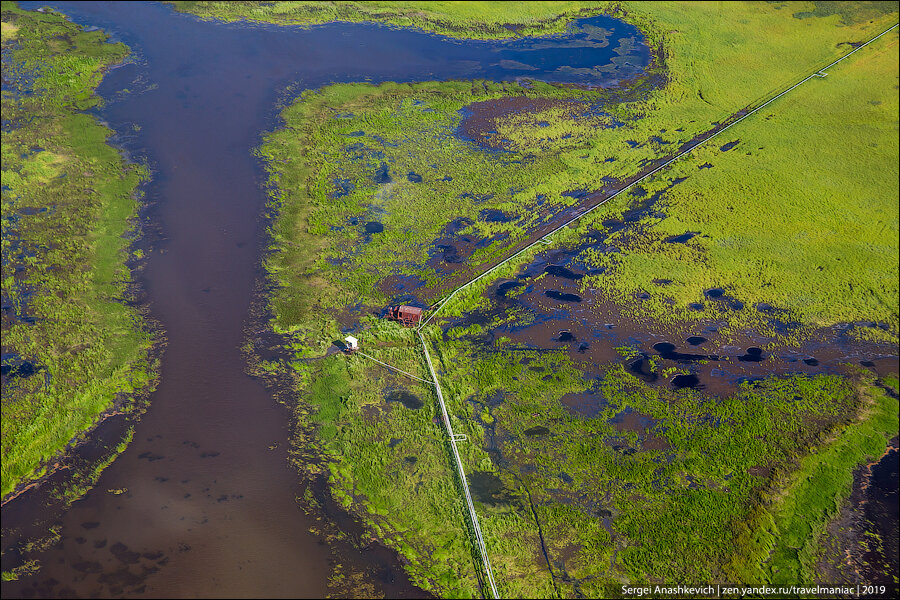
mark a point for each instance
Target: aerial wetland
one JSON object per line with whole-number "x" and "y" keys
{"x": 645, "y": 257}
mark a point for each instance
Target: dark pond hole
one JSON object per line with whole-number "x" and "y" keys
{"x": 695, "y": 306}
{"x": 448, "y": 253}
{"x": 488, "y": 488}
{"x": 680, "y": 239}
{"x": 342, "y": 188}
{"x": 458, "y": 224}
{"x": 729, "y": 145}
{"x": 537, "y": 430}
{"x": 505, "y": 287}
{"x": 867, "y": 363}
{"x": 705, "y": 166}
{"x": 558, "y": 271}
{"x": 811, "y": 362}
{"x": 714, "y": 293}
{"x": 564, "y": 297}
{"x": 752, "y": 355}
{"x": 492, "y": 215}
{"x": 14, "y": 366}
{"x": 685, "y": 381}
{"x": 414, "y": 177}
{"x": 359, "y": 149}
{"x": 565, "y": 336}
{"x": 641, "y": 369}
{"x": 405, "y": 397}
{"x": 382, "y": 175}
{"x": 696, "y": 340}
{"x": 393, "y": 443}
{"x": 583, "y": 347}
{"x": 667, "y": 351}
{"x": 613, "y": 224}
{"x": 631, "y": 419}
{"x": 374, "y": 227}
{"x": 411, "y": 459}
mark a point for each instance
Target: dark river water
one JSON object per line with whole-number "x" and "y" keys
{"x": 210, "y": 506}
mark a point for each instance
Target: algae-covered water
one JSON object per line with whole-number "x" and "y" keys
{"x": 203, "y": 502}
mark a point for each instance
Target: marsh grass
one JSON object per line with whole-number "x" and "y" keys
{"x": 688, "y": 495}
{"x": 69, "y": 200}
{"x": 801, "y": 214}
{"x": 715, "y": 488}
{"x": 459, "y": 19}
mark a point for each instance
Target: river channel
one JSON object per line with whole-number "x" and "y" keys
{"x": 207, "y": 500}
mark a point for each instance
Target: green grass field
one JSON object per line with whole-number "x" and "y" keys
{"x": 73, "y": 347}
{"x": 800, "y": 214}
{"x": 478, "y": 20}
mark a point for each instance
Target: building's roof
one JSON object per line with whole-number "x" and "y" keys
{"x": 415, "y": 310}
{"x": 352, "y": 340}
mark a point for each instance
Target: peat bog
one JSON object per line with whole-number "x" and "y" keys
{"x": 648, "y": 304}
{"x": 653, "y": 368}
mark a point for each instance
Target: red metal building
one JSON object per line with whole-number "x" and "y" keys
{"x": 407, "y": 315}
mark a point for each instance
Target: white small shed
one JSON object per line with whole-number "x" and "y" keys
{"x": 352, "y": 343}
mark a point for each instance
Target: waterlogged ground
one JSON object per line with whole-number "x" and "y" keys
{"x": 701, "y": 359}
{"x": 75, "y": 345}
{"x": 683, "y": 387}
{"x": 204, "y": 486}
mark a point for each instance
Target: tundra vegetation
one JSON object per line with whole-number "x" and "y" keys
{"x": 589, "y": 476}
{"x": 586, "y": 477}
{"x": 74, "y": 348}
{"x": 478, "y": 20}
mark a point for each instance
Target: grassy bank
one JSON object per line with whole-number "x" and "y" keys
{"x": 73, "y": 349}
{"x": 651, "y": 484}
{"x": 474, "y": 20}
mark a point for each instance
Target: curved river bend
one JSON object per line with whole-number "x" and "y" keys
{"x": 210, "y": 505}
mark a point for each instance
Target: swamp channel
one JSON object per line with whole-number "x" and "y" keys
{"x": 208, "y": 500}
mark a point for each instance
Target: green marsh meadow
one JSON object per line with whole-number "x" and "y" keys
{"x": 791, "y": 208}
{"x": 590, "y": 465}
{"x": 73, "y": 347}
